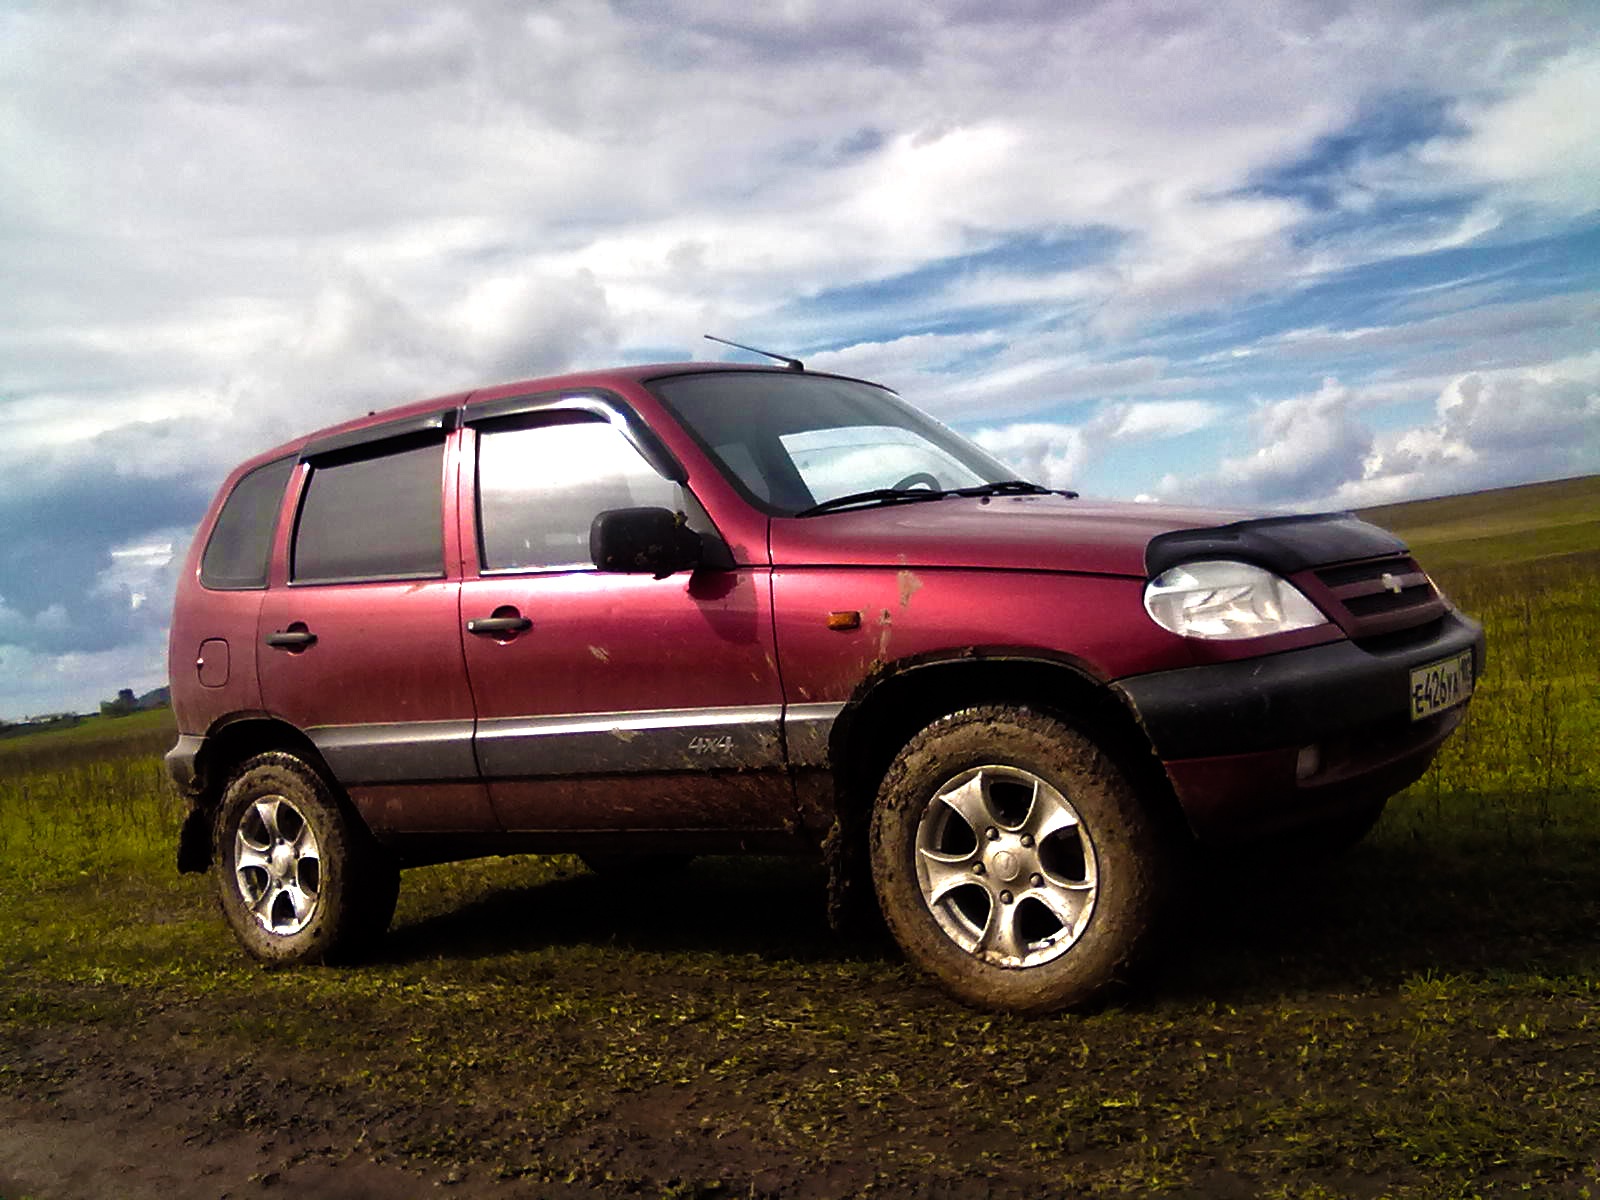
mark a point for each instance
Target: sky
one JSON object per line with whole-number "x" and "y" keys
{"x": 1248, "y": 252}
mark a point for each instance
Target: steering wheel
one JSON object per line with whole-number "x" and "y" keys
{"x": 914, "y": 479}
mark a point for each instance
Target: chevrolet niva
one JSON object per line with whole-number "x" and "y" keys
{"x": 644, "y": 613}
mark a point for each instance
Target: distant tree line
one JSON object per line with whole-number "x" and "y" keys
{"x": 39, "y": 724}
{"x": 126, "y": 702}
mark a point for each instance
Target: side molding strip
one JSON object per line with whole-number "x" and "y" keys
{"x": 744, "y": 738}
{"x": 406, "y": 752}
{"x": 806, "y": 729}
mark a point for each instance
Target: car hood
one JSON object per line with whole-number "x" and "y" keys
{"x": 1016, "y": 533}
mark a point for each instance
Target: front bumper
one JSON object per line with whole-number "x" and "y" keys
{"x": 1266, "y": 743}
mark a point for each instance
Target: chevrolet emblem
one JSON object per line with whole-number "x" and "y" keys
{"x": 1390, "y": 582}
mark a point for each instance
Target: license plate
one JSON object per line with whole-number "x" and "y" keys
{"x": 1441, "y": 685}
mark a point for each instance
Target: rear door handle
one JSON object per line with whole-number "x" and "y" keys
{"x": 498, "y": 625}
{"x": 292, "y": 639}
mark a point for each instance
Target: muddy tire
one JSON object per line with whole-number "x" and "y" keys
{"x": 299, "y": 879}
{"x": 1013, "y": 861}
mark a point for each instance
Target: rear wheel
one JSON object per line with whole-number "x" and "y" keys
{"x": 1013, "y": 861}
{"x": 299, "y": 880}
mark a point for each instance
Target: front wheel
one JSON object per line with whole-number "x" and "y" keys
{"x": 299, "y": 880}
{"x": 1013, "y": 860}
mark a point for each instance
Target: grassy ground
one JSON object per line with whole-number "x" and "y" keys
{"x": 1419, "y": 1019}
{"x": 1503, "y": 526}
{"x": 96, "y": 738}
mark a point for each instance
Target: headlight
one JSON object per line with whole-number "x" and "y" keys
{"x": 1226, "y": 601}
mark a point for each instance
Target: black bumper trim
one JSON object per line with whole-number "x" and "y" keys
{"x": 1288, "y": 699}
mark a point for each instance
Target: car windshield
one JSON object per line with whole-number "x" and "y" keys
{"x": 793, "y": 442}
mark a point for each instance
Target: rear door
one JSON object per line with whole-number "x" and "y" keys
{"x": 608, "y": 701}
{"x": 360, "y": 638}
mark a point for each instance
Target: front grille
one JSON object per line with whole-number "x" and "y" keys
{"x": 1379, "y": 596}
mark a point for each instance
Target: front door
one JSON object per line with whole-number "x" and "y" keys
{"x": 609, "y": 701}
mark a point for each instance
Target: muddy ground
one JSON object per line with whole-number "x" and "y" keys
{"x": 1404, "y": 1025}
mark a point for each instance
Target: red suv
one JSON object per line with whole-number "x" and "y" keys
{"x": 656, "y": 611}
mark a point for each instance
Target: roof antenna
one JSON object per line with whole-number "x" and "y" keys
{"x": 794, "y": 364}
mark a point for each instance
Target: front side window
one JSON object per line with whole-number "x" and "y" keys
{"x": 373, "y": 514}
{"x": 541, "y": 483}
{"x": 237, "y": 553}
{"x": 790, "y": 440}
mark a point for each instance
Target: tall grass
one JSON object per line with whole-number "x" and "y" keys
{"x": 96, "y": 739}
{"x": 1523, "y": 766}
{"x": 105, "y": 814}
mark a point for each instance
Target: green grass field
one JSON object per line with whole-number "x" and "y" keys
{"x": 1526, "y": 562}
{"x": 1502, "y": 527}
{"x": 1418, "y": 1019}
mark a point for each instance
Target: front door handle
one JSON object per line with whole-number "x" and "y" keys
{"x": 499, "y": 626}
{"x": 292, "y": 639}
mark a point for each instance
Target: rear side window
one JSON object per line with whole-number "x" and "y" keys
{"x": 540, "y": 487}
{"x": 372, "y": 514}
{"x": 237, "y": 553}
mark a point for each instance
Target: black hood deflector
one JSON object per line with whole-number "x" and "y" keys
{"x": 1281, "y": 544}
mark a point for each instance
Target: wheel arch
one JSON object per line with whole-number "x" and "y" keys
{"x": 895, "y": 704}
{"x": 229, "y": 742}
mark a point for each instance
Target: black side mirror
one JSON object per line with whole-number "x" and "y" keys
{"x": 638, "y": 540}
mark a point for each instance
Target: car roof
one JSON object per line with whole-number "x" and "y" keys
{"x": 607, "y": 377}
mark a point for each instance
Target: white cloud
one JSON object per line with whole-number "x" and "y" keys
{"x": 1056, "y": 454}
{"x": 1305, "y": 445}
{"x": 1490, "y": 429}
{"x": 1537, "y": 143}
{"x": 919, "y": 356}
{"x": 1053, "y": 455}
{"x": 1160, "y": 418}
{"x": 223, "y": 227}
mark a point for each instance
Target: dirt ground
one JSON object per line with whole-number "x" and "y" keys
{"x": 128, "y": 1119}
{"x": 554, "y": 1037}
{"x": 146, "y": 1113}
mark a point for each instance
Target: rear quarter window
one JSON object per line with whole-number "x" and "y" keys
{"x": 237, "y": 553}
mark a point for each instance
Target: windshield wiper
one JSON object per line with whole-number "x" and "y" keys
{"x": 1005, "y": 487}
{"x": 1012, "y": 487}
{"x": 875, "y": 496}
